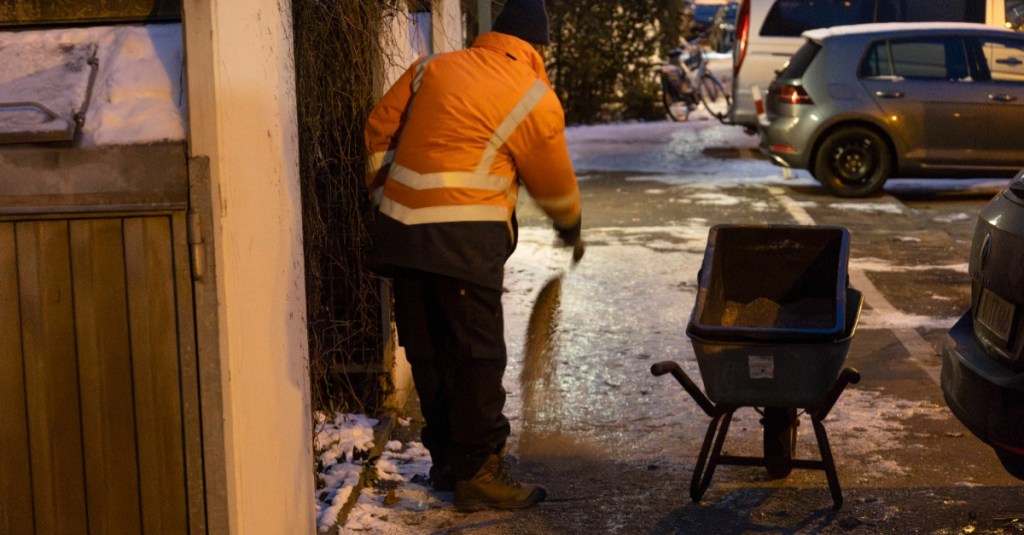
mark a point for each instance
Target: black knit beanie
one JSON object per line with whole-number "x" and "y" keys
{"x": 525, "y": 19}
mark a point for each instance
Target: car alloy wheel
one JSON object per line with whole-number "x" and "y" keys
{"x": 853, "y": 161}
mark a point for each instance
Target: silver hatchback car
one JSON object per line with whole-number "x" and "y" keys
{"x": 857, "y": 105}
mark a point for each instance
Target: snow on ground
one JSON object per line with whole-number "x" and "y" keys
{"x": 342, "y": 444}
{"x": 338, "y": 444}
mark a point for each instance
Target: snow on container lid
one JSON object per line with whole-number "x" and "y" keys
{"x": 772, "y": 282}
{"x": 43, "y": 89}
{"x": 102, "y": 85}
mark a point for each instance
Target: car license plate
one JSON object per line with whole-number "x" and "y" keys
{"x": 996, "y": 314}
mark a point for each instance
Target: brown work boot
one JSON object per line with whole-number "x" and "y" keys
{"x": 494, "y": 486}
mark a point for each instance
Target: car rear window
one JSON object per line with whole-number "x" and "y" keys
{"x": 790, "y": 18}
{"x": 797, "y": 64}
{"x": 940, "y": 58}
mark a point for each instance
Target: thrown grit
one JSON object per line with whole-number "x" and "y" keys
{"x": 539, "y": 353}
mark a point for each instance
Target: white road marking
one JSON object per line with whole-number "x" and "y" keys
{"x": 919, "y": 350}
{"x": 799, "y": 214}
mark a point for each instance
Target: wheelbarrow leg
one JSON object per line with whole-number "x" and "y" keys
{"x": 705, "y": 468}
{"x": 846, "y": 377}
{"x": 828, "y": 463}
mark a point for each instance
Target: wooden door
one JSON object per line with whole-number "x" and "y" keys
{"x": 99, "y": 426}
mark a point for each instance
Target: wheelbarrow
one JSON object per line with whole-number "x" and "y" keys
{"x": 771, "y": 327}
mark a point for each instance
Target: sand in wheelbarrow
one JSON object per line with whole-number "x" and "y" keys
{"x": 764, "y": 312}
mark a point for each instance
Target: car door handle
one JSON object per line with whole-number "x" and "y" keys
{"x": 1013, "y": 62}
{"x": 1002, "y": 98}
{"x": 889, "y": 94}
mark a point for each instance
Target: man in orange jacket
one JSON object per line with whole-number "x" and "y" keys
{"x": 449, "y": 145}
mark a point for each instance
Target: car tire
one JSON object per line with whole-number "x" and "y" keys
{"x": 1012, "y": 462}
{"x": 853, "y": 161}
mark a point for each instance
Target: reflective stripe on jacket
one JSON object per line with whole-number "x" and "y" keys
{"x": 479, "y": 122}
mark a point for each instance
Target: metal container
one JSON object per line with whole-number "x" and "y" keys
{"x": 772, "y": 283}
{"x": 738, "y": 372}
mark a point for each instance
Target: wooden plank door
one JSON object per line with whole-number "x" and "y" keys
{"x": 100, "y": 427}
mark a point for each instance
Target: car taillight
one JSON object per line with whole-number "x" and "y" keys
{"x": 791, "y": 94}
{"x": 742, "y": 36}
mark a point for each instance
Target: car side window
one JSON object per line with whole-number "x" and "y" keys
{"x": 1004, "y": 59}
{"x": 941, "y": 58}
{"x": 930, "y": 10}
{"x": 790, "y": 18}
{"x": 876, "y": 62}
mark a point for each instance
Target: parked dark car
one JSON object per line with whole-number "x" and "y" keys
{"x": 983, "y": 357}
{"x": 857, "y": 105}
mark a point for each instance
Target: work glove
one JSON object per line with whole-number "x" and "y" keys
{"x": 570, "y": 235}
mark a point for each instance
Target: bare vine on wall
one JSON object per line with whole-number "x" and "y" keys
{"x": 341, "y": 47}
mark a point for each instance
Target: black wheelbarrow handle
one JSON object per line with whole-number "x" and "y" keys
{"x": 669, "y": 366}
{"x": 846, "y": 377}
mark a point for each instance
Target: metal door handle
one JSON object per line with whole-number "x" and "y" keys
{"x": 1002, "y": 98}
{"x": 889, "y": 94}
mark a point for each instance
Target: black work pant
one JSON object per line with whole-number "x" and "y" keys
{"x": 454, "y": 338}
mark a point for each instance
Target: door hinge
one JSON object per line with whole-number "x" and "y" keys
{"x": 195, "y": 242}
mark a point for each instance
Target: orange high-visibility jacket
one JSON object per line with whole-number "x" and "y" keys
{"x": 449, "y": 144}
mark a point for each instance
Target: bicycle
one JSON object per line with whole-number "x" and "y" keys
{"x": 687, "y": 83}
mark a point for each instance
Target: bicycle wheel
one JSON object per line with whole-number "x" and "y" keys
{"x": 714, "y": 96}
{"x": 677, "y": 109}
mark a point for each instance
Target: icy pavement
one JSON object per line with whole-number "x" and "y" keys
{"x": 603, "y": 428}
{"x": 624, "y": 307}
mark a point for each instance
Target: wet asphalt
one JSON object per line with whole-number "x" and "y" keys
{"x": 617, "y": 447}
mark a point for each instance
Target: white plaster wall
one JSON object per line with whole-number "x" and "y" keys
{"x": 400, "y": 51}
{"x": 446, "y": 35}
{"x": 447, "y": 26}
{"x": 243, "y": 116}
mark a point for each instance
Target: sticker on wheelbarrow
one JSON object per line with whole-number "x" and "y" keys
{"x": 761, "y": 367}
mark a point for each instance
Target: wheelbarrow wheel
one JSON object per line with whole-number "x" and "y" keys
{"x": 779, "y": 440}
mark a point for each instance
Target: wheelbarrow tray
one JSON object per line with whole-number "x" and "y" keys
{"x": 772, "y": 283}
{"x": 793, "y": 373}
